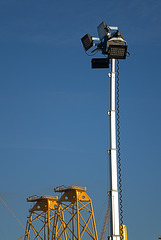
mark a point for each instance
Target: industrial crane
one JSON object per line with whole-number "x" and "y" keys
{"x": 112, "y": 45}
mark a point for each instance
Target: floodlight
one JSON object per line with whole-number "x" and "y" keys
{"x": 87, "y": 41}
{"x": 117, "y": 51}
{"x": 116, "y": 39}
{"x": 102, "y": 30}
{"x": 100, "y": 63}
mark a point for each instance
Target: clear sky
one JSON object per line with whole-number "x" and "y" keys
{"x": 53, "y": 123}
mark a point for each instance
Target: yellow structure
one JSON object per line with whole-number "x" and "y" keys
{"x": 78, "y": 221}
{"x": 123, "y": 232}
{"x": 70, "y": 217}
{"x": 41, "y": 217}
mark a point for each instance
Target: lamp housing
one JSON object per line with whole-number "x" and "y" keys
{"x": 100, "y": 62}
{"x": 116, "y": 39}
{"x": 87, "y": 41}
{"x": 102, "y": 30}
{"x": 117, "y": 51}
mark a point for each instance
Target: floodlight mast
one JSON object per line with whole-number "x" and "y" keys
{"x": 113, "y": 45}
{"x": 113, "y": 192}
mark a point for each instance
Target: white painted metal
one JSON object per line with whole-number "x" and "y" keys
{"x": 95, "y": 39}
{"x": 115, "y": 231}
{"x": 113, "y": 28}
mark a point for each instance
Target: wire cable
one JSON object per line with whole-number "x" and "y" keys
{"x": 106, "y": 221}
{"x": 11, "y": 212}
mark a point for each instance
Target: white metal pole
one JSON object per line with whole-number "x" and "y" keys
{"x": 115, "y": 230}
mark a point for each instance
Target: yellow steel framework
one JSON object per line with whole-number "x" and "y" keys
{"x": 69, "y": 218}
{"x": 78, "y": 221}
{"x": 41, "y": 217}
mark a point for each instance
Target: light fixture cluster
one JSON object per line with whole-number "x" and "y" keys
{"x": 110, "y": 42}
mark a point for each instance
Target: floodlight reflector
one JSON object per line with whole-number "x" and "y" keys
{"x": 117, "y": 52}
{"x": 102, "y": 30}
{"x": 87, "y": 41}
{"x": 100, "y": 63}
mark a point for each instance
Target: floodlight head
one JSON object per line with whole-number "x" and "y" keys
{"x": 117, "y": 51}
{"x": 102, "y": 30}
{"x": 100, "y": 63}
{"x": 87, "y": 41}
{"x": 116, "y": 39}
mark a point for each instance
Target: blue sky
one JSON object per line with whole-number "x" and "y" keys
{"x": 53, "y": 107}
